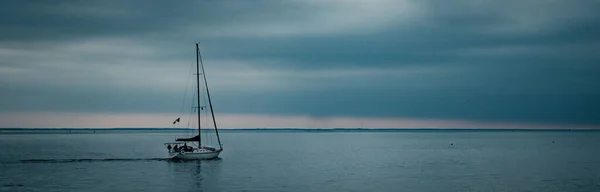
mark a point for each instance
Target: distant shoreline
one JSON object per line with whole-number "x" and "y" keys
{"x": 284, "y": 129}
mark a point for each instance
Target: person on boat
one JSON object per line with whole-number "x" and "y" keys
{"x": 176, "y": 148}
{"x": 186, "y": 148}
{"x": 169, "y": 147}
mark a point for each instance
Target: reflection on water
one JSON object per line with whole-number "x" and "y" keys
{"x": 198, "y": 175}
{"x": 87, "y": 160}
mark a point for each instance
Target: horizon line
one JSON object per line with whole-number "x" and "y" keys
{"x": 311, "y": 129}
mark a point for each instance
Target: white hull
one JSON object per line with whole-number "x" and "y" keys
{"x": 201, "y": 155}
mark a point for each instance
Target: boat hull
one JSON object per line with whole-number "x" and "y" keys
{"x": 195, "y": 155}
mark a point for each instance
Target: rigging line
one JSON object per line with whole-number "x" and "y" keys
{"x": 206, "y": 132}
{"x": 186, "y": 87}
{"x": 198, "y": 91}
{"x": 210, "y": 138}
{"x": 190, "y": 132}
{"x": 209, "y": 134}
{"x": 199, "y": 108}
{"x": 207, "y": 120}
{"x": 208, "y": 95}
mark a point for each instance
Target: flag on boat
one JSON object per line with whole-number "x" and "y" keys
{"x": 176, "y": 120}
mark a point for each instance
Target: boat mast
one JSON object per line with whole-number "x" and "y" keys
{"x": 209, "y": 101}
{"x": 198, "y": 94}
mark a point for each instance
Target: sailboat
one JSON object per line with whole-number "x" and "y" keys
{"x": 192, "y": 148}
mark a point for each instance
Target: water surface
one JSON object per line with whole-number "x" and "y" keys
{"x": 300, "y": 161}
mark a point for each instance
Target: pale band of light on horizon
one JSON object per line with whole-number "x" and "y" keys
{"x": 227, "y": 121}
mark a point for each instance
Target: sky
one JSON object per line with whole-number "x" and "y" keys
{"x": 303, "y": 64}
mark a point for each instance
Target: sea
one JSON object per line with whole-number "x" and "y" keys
{"x": 301, "y": 161}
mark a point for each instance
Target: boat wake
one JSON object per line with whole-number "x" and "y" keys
{"x": 88, "y": 160}
{"x": 102, "y": 160}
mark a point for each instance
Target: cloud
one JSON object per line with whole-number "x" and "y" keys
{"x": 484, "y": 61}
{"x": 113, "y": 62}
{"x": 512, "y": 17}
{"x": 200, "y": 18}
{"x": 310, "y": 18}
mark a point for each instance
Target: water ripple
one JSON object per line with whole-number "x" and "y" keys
{"x": 89, "y": 160}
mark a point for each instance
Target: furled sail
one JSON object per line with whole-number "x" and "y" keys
{"x": 195, "y": 138}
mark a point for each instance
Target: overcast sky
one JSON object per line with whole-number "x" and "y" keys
{"x": 308, "y": 63}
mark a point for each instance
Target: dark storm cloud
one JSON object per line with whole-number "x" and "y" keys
{"x": 58, "y": 20}
{"x": 505, "y": 61}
